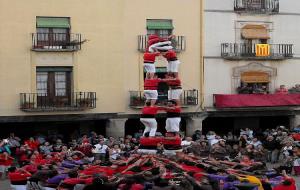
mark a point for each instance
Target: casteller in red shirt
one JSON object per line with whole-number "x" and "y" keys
{"x": 288, "y": 184}
{"x": 18, "y": 177}
{"x": 6, "y": 160}
{"x": 32, "y": 144}
{"x": 170, "y": 55}
{"x": 151, "y": 84}
{"x": 150, "y": 57}
{"x": 150, "y": 110}
{"x": 174, "y": 82}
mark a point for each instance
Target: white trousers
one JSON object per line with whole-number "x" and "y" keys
{"x": 172, "y": 124}
{"x": 149, "y": 67}
{"x": 174, "y": 94}
{"x": 173, "y": 66}
{"x": 18, "y": 187}
{"x": 150, "y": 126}
{"x": 161, "y": 46}
{"x": 151, "y": 94}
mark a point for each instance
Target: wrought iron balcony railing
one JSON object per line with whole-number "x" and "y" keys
{"x": 56, "y": 42}
{"x": 188, "y": 98}
{"x": 179, "y": 43}
{"x": 237, "y": 51}
{"x": 257, "y": 6}
{"x": 75, "y": 101}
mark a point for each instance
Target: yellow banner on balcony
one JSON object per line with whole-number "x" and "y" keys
{"x": 262, "y": 50}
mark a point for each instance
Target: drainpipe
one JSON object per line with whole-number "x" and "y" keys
{"x": 202, "y": 54}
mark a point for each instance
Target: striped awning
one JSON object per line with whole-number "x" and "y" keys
{"x": 159, "y": 24}
{"x": 52, "y": 22}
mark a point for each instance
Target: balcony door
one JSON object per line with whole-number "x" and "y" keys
{"x": 53, "y": 88}
{"x": 53, "y": 31}
{"x": 53, "y": 37}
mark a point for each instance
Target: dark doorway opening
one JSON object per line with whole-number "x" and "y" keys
{"x": 65, "y": 130}
{"x": 221, "y": 125}
{"x": 273, "y": 122}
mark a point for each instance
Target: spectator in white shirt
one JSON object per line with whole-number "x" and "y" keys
{"x": 255, "y": 142}
{"x": 100, "y": 150}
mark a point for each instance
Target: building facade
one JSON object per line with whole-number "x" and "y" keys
{"x": 76, "y": 66}
{"x": 236, "y": 66}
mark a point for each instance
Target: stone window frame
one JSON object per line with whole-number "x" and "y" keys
{"x": 240, "y": 24}
{"x": 253, "y": 66}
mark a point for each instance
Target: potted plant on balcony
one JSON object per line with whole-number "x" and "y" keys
{"x": 85, "y": 103}
{"x": 27, "y": 105}
{"x": 191, "y": 100}
{"x": 137, "y": 101}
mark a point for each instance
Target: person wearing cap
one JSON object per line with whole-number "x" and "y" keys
{"x": 148, "y": 119}
{"x": 173, "y": 117}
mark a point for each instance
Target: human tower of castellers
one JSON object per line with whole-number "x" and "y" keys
{"x": 158, "y": 46}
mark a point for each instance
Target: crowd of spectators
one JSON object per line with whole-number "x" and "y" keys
{"x": 262, "y": 88}
{"x": 207, "y": 161}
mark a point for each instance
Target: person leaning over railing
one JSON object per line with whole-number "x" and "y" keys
{"x": 281, "y": 90}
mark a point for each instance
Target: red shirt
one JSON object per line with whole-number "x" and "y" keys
{"x": 21, "y": 154}
{"x": 174, "y": 82}
{"x": 150, "y": 57}
{"x": 284, "y": 187}
{"x": 296, "y": 136}
{"x": 30, "y": 168}
{"x": 18, "y": 176}
{"x": 98, "y": 169}
{"x": 150, "y": 110}
{"x": 171, "y": 55}
{"x": 74, "y": 181}
{"x": 191, "y": 168}
{"x": 153, "y": 39}
{"x": 151, "y": 84}
{"x": 32, "y": 144}
{"x": 176, "y": 110}
{"x": 5, "y": 160}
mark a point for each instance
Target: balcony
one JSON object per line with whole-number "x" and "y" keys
{"x": 188, "y": 98}
{"x": 56, "y": 42}
{"x": 236, "y": 51}
{"x": 257, "y": 6}
{"x": 40, "y": 102}
{"x": 179, "y": 43}
{"x": 255, "y": 100}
